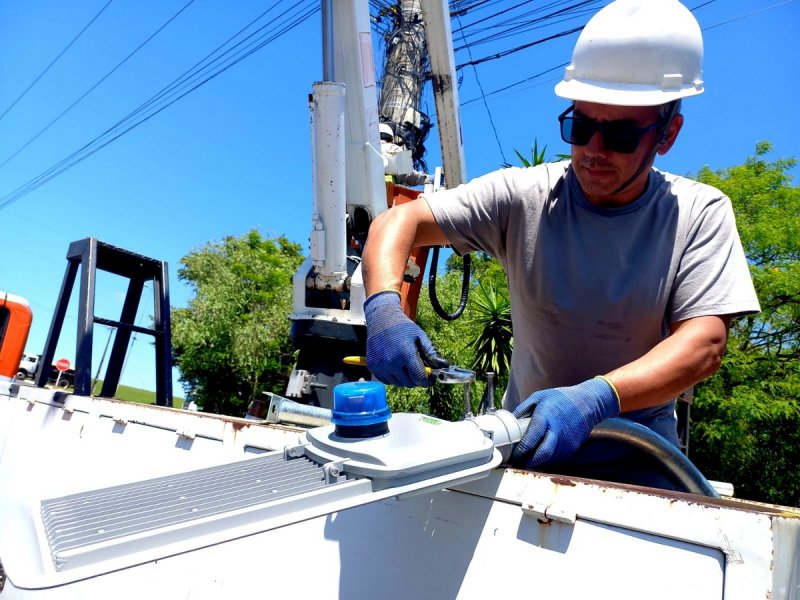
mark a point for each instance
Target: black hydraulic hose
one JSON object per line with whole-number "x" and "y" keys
{"x": 432, "y": 288}
{"x": 639, "y": 437}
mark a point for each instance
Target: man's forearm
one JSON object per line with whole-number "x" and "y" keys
{"x": 392, "y": 236}
{"x": 389, "y": 243}
{"x": 691, "y": 354}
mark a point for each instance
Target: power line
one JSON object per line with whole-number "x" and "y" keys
{"x": 508, "y": 87}
{"x": 750, "y": 14}
{"x": 119, "y": 129}
{"x": 512, "y": 85}
{"x": 55, "y": 60}
{"x": 198, "y": 76}
{"x": 486, "y": 104}
{"x": 518, "y": 48}
{"x": 196, "y": 71}
{"x": 703, "y": 4}
{"x": 530, "y": 20}
{"x": 486, "y": 20}
{"x": 165, "y": 98}
{"x": 91, "y": 89}
{"x": 461, "y": 9}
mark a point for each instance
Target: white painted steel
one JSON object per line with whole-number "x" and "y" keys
{"x": 354, "y": 66}
{"x": 480, "y": 539}
{"x": 743, "y": 532}
{"x": 361, "y": 159}
{"x": 329, "y": 218}
{"x": 353, "y": 316}
{"x": 438, "y": 546}
{"x": 436, "y": 16}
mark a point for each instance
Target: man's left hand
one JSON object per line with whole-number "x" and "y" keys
{"x": 562, "y": 419}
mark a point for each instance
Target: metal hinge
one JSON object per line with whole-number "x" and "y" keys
{"x": 550, "y": 512}
{"x": 332, "y": 471}
{"x": 294, "y": 451}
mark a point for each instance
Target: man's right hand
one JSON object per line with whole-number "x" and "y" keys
{"x": 562, "y": 419}
{"x": 397, "y": 349}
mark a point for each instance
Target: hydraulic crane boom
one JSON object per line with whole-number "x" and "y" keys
{"x": 350, "y": 190}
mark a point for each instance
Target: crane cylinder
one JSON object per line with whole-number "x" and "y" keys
{"x": 329, "y": 234}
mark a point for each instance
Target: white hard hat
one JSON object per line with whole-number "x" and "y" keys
{"x": 385, "y": 132}
{"x": 636, "y": 53}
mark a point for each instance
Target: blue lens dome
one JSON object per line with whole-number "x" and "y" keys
{"x": 360, "y": 403}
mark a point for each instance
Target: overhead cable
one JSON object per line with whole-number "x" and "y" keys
{"x": 91, "y": 89}
{"x": 517, "y": 24}
{"x": 518, "y": 48}
{"x": 750, "y": 14}
{"x": 508, "y": 87}
{"x": 55, "y": 60}
{"x": 198, "y": 71}
{"x": 122, "y": 127}
{"x": 486, "y": 105}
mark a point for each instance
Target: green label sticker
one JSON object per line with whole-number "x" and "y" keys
{"x": 430, "y": 420}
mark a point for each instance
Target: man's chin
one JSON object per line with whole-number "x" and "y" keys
{"x": 597, "y": 187}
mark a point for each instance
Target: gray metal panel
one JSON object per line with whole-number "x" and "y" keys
{"x": 87, "y": 518}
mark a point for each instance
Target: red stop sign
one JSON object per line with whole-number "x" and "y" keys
{"x": 62, "y": 364}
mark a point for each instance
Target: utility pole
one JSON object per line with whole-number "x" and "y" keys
{"x": 404, "y": 73}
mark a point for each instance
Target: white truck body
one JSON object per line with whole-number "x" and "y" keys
{"x": 507, "y": 534}
{"x": 106, "y": 499}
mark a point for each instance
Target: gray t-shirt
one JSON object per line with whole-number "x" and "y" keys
{"x": 595, "y": 288}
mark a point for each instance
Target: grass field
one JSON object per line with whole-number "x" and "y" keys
{"x": 132, "y": 394}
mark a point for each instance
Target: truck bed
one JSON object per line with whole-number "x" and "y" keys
{"x": 102, "y": 498}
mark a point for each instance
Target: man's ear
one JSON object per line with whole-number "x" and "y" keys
{"x": 672, "y": 134}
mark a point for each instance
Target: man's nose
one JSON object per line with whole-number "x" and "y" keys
{"x": 595, "y": 144}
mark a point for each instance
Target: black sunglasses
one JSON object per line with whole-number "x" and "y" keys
{"x": 618, "y": 136}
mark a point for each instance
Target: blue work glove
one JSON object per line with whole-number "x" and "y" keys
{"x": 397, "y": 349}
{"x": 562, "y": 419}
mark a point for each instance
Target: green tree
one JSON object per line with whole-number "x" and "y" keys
{"x": 231, "y": 342}
{"x": 746, "y": 419}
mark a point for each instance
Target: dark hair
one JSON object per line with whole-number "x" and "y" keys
{"x": 666, "y": 114}
{"x": 665, "y": 110}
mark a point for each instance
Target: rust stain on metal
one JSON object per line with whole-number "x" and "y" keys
{"x": 523, "y": 472}
{"x": 237, "y": 425}
{"x": 673, "y": 496}
{"x": 563, "y": 481}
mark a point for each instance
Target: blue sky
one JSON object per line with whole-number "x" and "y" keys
{"x": 234, "y": 154}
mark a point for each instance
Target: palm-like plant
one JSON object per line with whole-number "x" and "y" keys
{"x": 491, "y": 310}
{"x": 537, "y": 157}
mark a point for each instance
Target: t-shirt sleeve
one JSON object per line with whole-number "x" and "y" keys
{"x": 713, "y": 277}
{"x": 474, "y": 215}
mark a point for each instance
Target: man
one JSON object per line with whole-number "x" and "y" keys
{"x": 623, "y": 279}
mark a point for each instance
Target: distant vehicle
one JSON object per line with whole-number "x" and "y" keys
{"x": 15, "y": 324}
{"x": 29, "y": 364}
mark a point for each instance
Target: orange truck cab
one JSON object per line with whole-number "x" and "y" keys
{"x": 15, "y": 324}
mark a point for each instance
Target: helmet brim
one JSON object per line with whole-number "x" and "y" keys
{"x": 618, "y": 94}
